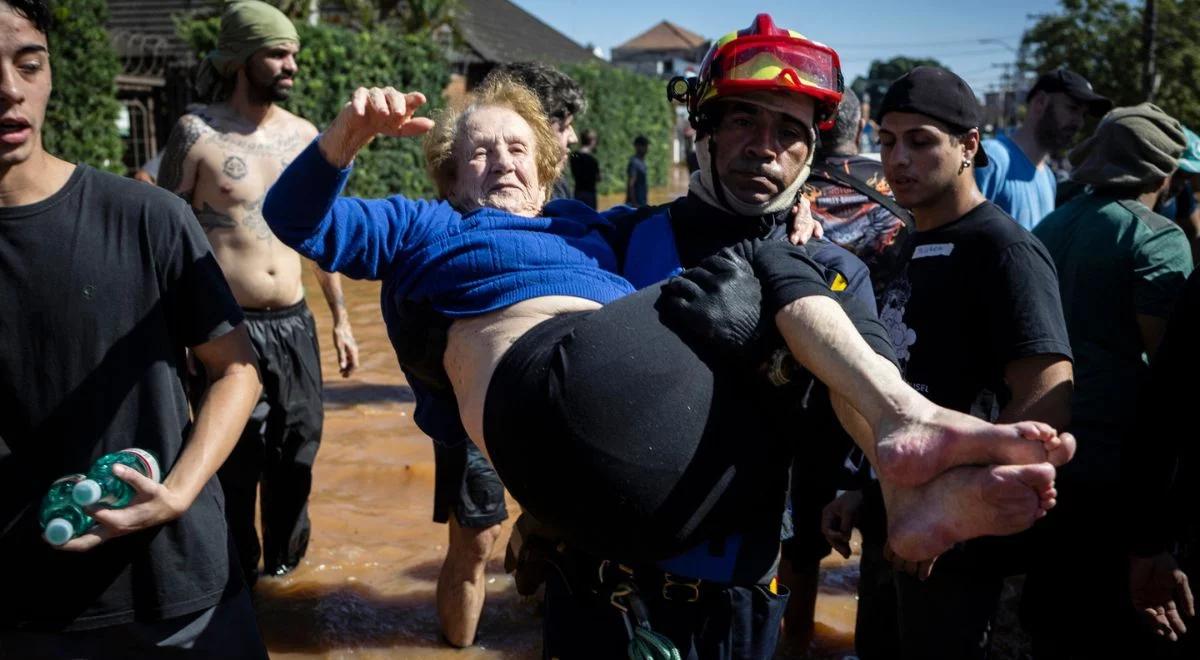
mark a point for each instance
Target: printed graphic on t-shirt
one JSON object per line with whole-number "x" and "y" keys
{"x": 891, "y": 314}
{"x": 853, "y": 220}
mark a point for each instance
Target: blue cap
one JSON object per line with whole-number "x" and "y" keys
{"x": 1190, "y": 160}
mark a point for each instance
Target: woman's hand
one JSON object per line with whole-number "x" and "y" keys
{"x": 803, "y": 225}
{"x": 370, "y": 112}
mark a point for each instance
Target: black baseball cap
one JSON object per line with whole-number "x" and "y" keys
{"x": 1073, "y": 85}
{"x": 937, "y": 93}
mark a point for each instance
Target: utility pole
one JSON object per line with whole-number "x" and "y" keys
{"x": 1149, "y": 37}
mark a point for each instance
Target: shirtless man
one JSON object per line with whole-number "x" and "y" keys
{"x": 222, "y": 158}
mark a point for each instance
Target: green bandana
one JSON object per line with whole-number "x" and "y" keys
{"x": 246, "y": 27}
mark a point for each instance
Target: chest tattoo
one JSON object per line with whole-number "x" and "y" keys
{"x": 234, "y": 168}
{"x": 253, "y": 219}
{"x": 211, "y": 219}
{"x": 281, "y": 146}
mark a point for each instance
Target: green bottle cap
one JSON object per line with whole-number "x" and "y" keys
{"x": 59, "y": 531}
{"x": 86, "y": 492}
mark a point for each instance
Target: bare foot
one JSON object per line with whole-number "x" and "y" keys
{"x": 912, "y": 449}
{"x": 965, "y": 503}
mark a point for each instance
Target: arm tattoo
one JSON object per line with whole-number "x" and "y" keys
{"x": 185, "y": 135}
{"x": 211, "y": 219}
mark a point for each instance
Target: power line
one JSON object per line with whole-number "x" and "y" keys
{"x": 920, "y": 51}
{"x": 915, "y": 44}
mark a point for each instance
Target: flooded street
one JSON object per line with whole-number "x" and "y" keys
{"x": 366, "y": 588}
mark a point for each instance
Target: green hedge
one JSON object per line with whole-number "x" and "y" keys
{"x": 621, "y": 106}
{"x": 334, "y": 61}
{"x": 81, "y": 120}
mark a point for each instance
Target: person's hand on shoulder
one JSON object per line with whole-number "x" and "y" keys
{"x": 804, "y": 227}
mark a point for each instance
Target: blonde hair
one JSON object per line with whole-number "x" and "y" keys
{"x": 502, "y": 92}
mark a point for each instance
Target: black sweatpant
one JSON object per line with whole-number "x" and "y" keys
{"x": 279, "y": 444}
{"x": 608, "y": 425}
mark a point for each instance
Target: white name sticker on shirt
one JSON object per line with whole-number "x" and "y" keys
{"x": 933, "y": 250}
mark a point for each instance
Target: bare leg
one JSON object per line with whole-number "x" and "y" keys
{"x": 912, "y": 439}
{"x": 965, "y": 503}
{"x": 460, "y": 586}
{"x": 804, "y": 581}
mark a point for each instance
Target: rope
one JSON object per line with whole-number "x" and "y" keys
{"x": 649, "y": 645}
{"x": 644, "y": 643}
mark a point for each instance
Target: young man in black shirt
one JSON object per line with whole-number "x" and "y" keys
{"x": 585, "y": 169}
{"x": 977, "y": 325}
{"x": 103, "y": 284}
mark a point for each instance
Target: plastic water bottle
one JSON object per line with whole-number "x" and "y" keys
{"x": 63, "y": 520}
{"x": 103, "y": 487}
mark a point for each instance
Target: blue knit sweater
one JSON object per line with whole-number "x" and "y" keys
{"x": 465, "y": 265}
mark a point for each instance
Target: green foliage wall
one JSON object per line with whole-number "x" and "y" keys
{"x": 333, "y": 61}
{"x": 621, "y": 106}
{"x": 1102, "y": 41}
{"x": 81, "y": 118}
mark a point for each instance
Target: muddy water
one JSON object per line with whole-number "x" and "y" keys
{"x": 366, "y": 588}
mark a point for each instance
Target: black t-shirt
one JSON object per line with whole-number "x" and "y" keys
{"x": 585, "y": 169}
{"x": 102, "y": 285}
{"x": 975, "y": 294}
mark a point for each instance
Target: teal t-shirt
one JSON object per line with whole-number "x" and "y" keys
{"x": 1010, "y": 181}
{"x": 1116, "y": 259}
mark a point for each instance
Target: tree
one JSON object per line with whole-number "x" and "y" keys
{"x": 81, "y": 120}
{"x": 1103, "y": 41}
{"x": 880, "y": 76}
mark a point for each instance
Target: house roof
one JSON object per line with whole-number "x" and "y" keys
{"x": 664, "y": 36}
{"x": 139, "y": 26}
{"x": 500, "y": 31}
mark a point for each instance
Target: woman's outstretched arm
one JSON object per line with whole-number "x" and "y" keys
{"x": 358, "y": 237}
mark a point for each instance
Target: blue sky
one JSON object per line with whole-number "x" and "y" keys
{"x": 948, "y": 30}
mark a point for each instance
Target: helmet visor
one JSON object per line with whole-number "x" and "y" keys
{"x": 772, "y": 62}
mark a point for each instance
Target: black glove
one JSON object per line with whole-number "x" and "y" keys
{"x": 418, "y": 334}
{"x": 717, "y": 305}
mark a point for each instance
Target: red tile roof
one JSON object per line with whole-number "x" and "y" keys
{"x": 664, "y": 36}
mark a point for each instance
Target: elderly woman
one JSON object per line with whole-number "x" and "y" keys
{"x": 591, "y": 409}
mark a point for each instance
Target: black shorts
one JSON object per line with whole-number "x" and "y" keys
{"x": 466, "y": 482}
